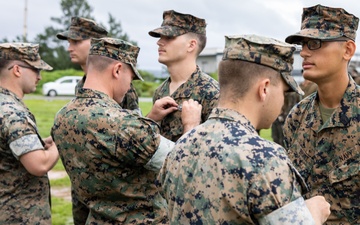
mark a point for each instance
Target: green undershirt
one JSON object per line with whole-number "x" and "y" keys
{"x": 325, "y": 112}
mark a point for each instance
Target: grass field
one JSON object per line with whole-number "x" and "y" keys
{"x": 45, "y": 111}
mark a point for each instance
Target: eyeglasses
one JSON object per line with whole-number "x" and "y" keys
{"x": 37, "y": 71}
{"x": 314, "y": 44}
{"x": 27, "y": 67}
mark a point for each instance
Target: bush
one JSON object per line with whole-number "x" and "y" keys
{"x": 144, "y": 88}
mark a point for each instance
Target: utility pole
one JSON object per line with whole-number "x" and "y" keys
{"x": 25, "y": 23}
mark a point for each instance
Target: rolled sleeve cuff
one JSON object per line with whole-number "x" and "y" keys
{"x": 25, "y": 144}
{"x": 157, "y": 160}
{"x": 295, "y": 212}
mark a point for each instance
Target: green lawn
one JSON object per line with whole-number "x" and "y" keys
{"x": 45, "y": 111}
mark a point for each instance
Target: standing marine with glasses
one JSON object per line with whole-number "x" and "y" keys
{"x": 25, "y": 158}
{"x": 322, "y": 133}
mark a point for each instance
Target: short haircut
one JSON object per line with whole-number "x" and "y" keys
{"x": 4, "y": 63}
{"x": 201, "y": 38}
{"x": 100, "y": 63}
{"x": 236, "y": 77}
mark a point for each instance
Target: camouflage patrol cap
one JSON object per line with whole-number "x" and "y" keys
{"x": 26, "y": 52}
{"x": 322, "y": 22}
{"x": 176, "y": 24}
{"x": 264, "y": 51}
{"x": 116, "y": 49}
{"x": 82, "y": 29}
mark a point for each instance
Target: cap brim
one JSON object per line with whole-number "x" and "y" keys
{"x": 70, "y": 35}
{"x": 39, "y": 64}
{"x": 138, "y": 76}
{"x": 292, "y": 83}
{"x": 167, "y": 31}
{"x": 314, "y": 34}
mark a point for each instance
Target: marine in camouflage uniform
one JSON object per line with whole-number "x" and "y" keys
{"x": 277, "y": 134}
{"x": 222, "y": 171}
{"x": 108, "y": 151}
{"x": 24, "y": 196}
{"x": 326, "y": 148}
{"x": 83, "y": 29}
{"x": 198, "y": 86}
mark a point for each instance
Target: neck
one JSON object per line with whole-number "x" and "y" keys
{"x": 180, "y": 72}
{"x": 331, "y": 92}
{"x": 9, "y": 85}
{"x": 95, "y": 81}
{"x": 83, "y": 67}
{"x": 250, "y": 111}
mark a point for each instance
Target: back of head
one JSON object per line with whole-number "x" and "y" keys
{"x": 322, "y": 22}
{"x": 248, "y": 56}
{"x": 82, "y": 29}
{"x": 26, "y": 52}
{"x": 116, "y": 49}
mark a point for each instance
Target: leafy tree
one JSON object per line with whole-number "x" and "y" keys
{"x": 115, "y": 30}
{"x": 53, "y": 50}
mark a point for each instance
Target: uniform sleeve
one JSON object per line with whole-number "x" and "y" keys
{"x": 138, "y": 139}
{"x": 158, "y": 158}
{"x": 295, "y": 212}
{"x": 275, "y": 185}
{"x": 22, "y": 135}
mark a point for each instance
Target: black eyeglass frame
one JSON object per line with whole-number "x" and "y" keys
{"x": 317, "y": 43}
{"x": 27, "y": 67}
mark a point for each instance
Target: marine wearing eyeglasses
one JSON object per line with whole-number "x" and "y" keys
{"x": 322, "y": 133}
{"x": 314, "y": 44}
{"x": 25, "y": 158}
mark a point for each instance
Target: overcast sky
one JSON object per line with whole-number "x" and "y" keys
{"x": 272, "y": 18}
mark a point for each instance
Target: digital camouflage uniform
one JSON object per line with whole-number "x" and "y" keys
{"x": 83, "y": 29}
{"x": 290, "y": 101}
{"x": 223, "y": 172}
{"x": 24, "y": 198}
{"x": 130, "y": 101}
{"x": 199, "y": 87}
{"x": 327, "y": 153}
{"x": 104, "y": 149}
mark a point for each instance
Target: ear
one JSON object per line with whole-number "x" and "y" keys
{"x": 16, "y": 71}
{"x": 192, "y": 44}
{"x": 263, "y": 89}
{"x": 116, "y": 70}
{"x": 350, "y": 48}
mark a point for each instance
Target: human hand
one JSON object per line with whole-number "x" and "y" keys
{"x": 48, "y": 142}
{"x": 190, "y": 114}
{"x": 162, "y": 107}
{"x": 319, "y": 209}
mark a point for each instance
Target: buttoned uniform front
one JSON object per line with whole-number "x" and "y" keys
{"x": 223, "y": 172}
{"x": 201, "y": 88}
{"x": 24, "y": 198}
{"x": 327, "y": 153}
{"x": 104, "y": 149}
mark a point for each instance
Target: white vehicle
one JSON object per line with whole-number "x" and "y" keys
{"x": 62, "y": 86}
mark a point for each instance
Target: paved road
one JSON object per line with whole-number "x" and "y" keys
{"x": 42, "y": 97}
